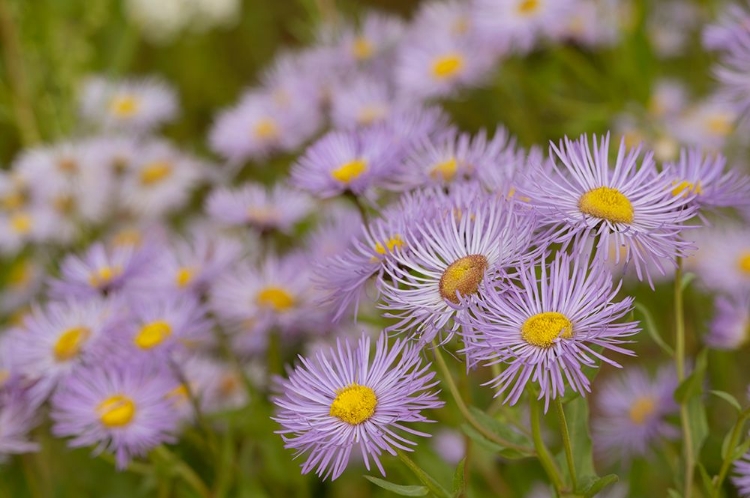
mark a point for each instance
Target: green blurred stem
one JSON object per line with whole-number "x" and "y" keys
{"x": 423, "y": 476}
{"x": 448, "y": 378}
{"x": 687, "y": 439}
{"x": 135, "y": 467}
{"x": 733, "y": 442}
{"x": 541, "y": 450}
{"x": 357, "y": 200}
{"x": 31, "y": 476}
{"x": 199, "y": 417}
{"x": 19, "y": 86}
{"x": 183, "y": 471}
{"x": 566, "y": 441}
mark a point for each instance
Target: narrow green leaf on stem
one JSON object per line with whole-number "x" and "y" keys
{"x": 459, "y": 480}
{"x": 652, "y": 330}
{"x": 566, "y": 441}
{"x": 728, "y": 452}
{"x": 728, "y": 398}
{"x": 423, "y": 476}
{"x": 398, "y": 488}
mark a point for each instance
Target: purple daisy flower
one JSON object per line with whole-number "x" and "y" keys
{"x": 18, "y": 415}
{"x": 342, "y": 399}
{"x": 264, "y": 209}
{"x": 733, "y": 23}
{"x": 723, "y": 259}
{"x": 364, "y": 102}
{"x": 707, "y": 124}
{"x": 123, "y": 408}
{"x": 741, "y": 479}
{"x": 633, "y": 408}
{"x": 732, "y": 72}
{"x": 334, "y": 231}
{"x": 630, "y": 206}
{"x": 545, "y": 329}
{"x": 451, "y": 258}
{"x": 343, "y": 162}
{"x": 730, "y": 327}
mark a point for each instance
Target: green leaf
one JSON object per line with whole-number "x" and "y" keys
{"x": 705, "y": 479}
{"x": 600, "y": 484}
{"x": 482, "y": 441}
{"x": 693, "y": 385}
{"x": 698, "y": 423}
{"x": 459, "y": 481}
{"x": 738, "y": 451}
{"x": 398, "y": 488}
{"x": 728, "y": 398}
{"x": 652, "y": 330}
{"x": 686, "y": 279}
{"x": 495, "y": 426}
{"x": 577, "y": 415}
{"x": 674, "y": 494}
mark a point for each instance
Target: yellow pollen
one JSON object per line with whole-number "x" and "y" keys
{"x": 275, "y": 298}
{"x": 20, "y": 274}
{"x": 128, "y": 237}
{"x": 266, "y": 129}
{"x": 21, "y": 223}
{"x": 155, "y": 172}
{"x": 607, "y": 204}
{"x": 542, "y": 329}
{"x": 720, "y": 124}
{"x": 370, "y": 114}
{"x": 184, "y": 277}
{"x": 362, "y": 48}
{"x": 744, "y": 262}
{"x": 348, "y": 172}
{"x": 354, "y": 404}
{"x": 447, "y": 66}
{"x": 394, "y": 242}
{"x": 152, "y": 334}
{"x": 178, "y": 395}
{"x": 69, "y": 343}
{"x": 445, "y": 170}
{"x": 527, "y": 7}
{"x": 685, "y": 187}
{"x": 462, "y": 277}
{"x": 14, "y": 200}
{"x": 116, "y": 411}
{"x": 104, "y": 275}
{"x": 642, "y": 409}
{"x": 123, "y": 106}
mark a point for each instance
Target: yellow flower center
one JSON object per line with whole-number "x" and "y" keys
{"x": 642, "y": 409}
{"x": 528, "y": 7}
{"x": 21, "y": 223}
{"x": 155, "y": 172}
{"x": 720, "y": 124}
{"x": 229, "y": 385}
{"x": 152, "y": 334}
{"x": 179, "y": 394}
{"x": 184, "y": 277}
{"x": 128, "y": 237}
{"x": 64, "y": 203}
{"x": 390, "y": 244}
{"x": 67, "y": 165}
{"x": 685, "y": 187}
{"x": 744, "y": 262}
{"x": 116, "y": 411}
{"x": 447, "y": 66}
{"x": 445, "y": 170}
{"x": 542, "y": 329}
{"x": 462, "y": 277}
{"x": 70, "y": 342}
{"x": 354, "y": 404}
{"x": 14, "y": 200}
{"x": 607, "y": 204}
{"x": 266, "y": 129}
{"x": 123, "y": 106}
{"x": 275, "y": 298}
{"x": 104, "y": 275}
{"x": 362, "y": 48}
{"x": 370, "y": 114}
{"x": 348, "y": 172}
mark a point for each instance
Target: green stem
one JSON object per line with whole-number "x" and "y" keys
{"x": 687, "y": 448}
{"x": 729, "y": 458}
{"x": 541, "y": 450}
{"x": 566, "y": 441}
{"x": 184, "y": 471}
{"x": 465, "y": 410}
{"x": 195, "y": 404}
{"x": 423, "y": 476}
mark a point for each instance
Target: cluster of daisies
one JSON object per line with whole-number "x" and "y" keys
{"x": 512, "y": 259}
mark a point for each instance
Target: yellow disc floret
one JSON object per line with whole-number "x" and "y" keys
{"x": 275, "y": 298}
{"x": 444, "y": 170}
{"x": 266, "y": 129}
{"x": 685, "y": 188}
{"x": 542, "y": 329}
{"x": 104, "y": 275}
{"x": 123, "y": 106}
{"x": 70, "y": 342}
{"x": 528, "y": 7}
{"x": 116, "y": 411}
{"x": 642, "y": 409}
{"x": 184, "y": 277}
{"x": 348, "y": 172}
{"x": 362, "y": 48}
{"x": 447, "y": 66}
{"x": 155, "y": 172}
{"x": 354, "y": 404}
{"x": 744, "y": 262}
{"x": 21, "y": 223}
{"x": 462, "y": 277}
{"x": 152, "y": 334}
{"x": 607, "y": 203}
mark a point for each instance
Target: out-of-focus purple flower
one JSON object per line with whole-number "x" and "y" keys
{"x": 18, "y": 415}
{"x": 733, "y": 23}
{"x": 707, "y": 124}
{"x": 730, "y": 327}
{"x": 723, "y": 259}
{"x": 450, "y": 445}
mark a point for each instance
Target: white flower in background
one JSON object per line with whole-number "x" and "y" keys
{"x": 162, "y": 20}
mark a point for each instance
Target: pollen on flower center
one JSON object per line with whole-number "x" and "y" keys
{"x": 123, "y": 106}
{"x": 720, "y": 124}
{"x": 370, "y": 114}
{"x": 463, "y": 276}
{"x": 354, "y": 404}
{"x": 390, "y": 244}
{"x": 608, "y": 204}
{"x": 362, "y": 48}
{"x": 104, "y": 275}
{"x": 184, "y": 277}
{"x": 527, "y": 7}
{"x": 348, "y": 172}
{"x": 21, "y": 223}
{"x": 152, "y": 334}
{"x": 444, "y": 170}
{"x": 275, "y": 298}
{"x": 116, "y": 411}
{"x": 155, "y": 172}
{"x": 642, "y": 409}
{"x": 744, "y": 262}
{"x": 685, "y": 188}
{"x": 542, "y": 329}
{"x": 69, "y": 343}
{"x": 266, "y": 129}
{"x": 447, "y": 66}
{"x": 179, "y": 394}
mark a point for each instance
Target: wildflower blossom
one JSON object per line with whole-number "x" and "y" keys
{"x": 730, "y": 327}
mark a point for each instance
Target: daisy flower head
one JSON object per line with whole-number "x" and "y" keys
{"x": 343, "y": 400}
{"x": 119, "y": 407}
{"x": 629, "y": 205}
{"x": 730, "y": 327}
{"x": 732, "y": 73}
{"x": 723, "y": 259}
{"x": 334, "y": 230}
{"x": 594, "y": 23}
{"x": 733, "y": 23}
{"x": 633, "y": 407}
{"x": 345, "y": 161}
{"x": 453, "y": 257}
{"x": 670, "y": 26}
{"x": 130, "y": 105}
{"x": 545, "y": 329}
{"x": 450, "y": 18}
{"x": 371, "y": 42}
{"x": 18, "y": 416}
{"x": 254, "y": 205}
{"x": 741, "y": 477}
{"x": 707, "y": 124}
{"x": 363, "y": 102}
{"x": 33, "y": 225}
